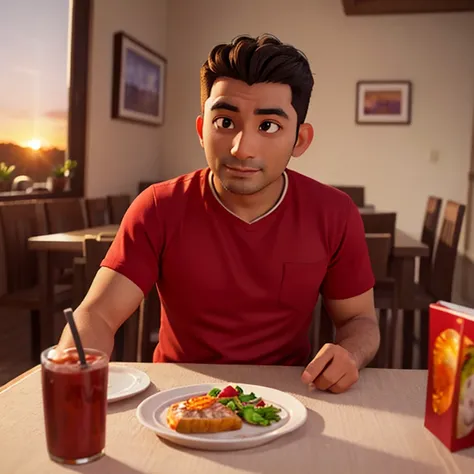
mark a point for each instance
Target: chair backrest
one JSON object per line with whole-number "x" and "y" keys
{"x": 379, "y": 247}
{"x": 126, "y": 338}
{"x": 19, "y": 222}
{"x": 118, "y": 206}
{"x": 97, "y": 211}
{"x": 380, "y": 223}
{"x": 95, "y": 250}
{"x": 64, "y": 215}
{"x": 323, "y": 330}
{"x": 441, "y": 279}
{"x": 356, "y": 193}
{"x": 428, "y": 237}
{"x": 142, "y": 185}
{"x": 151, "y": 321}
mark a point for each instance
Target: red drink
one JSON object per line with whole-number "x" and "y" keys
{"x": 75, "y": 405}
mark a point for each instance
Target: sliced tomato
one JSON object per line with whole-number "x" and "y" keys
{"x": 228, "y": 392}
{"x": 261, "y": 403}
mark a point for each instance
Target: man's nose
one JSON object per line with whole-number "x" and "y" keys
{"x": 243, "y": 146}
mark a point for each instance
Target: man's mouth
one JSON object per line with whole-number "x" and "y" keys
{"x": 242, "y": 169}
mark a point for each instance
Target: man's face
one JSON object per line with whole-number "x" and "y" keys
{"x": 248, "y": 133}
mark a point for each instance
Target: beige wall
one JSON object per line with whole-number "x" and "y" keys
{"x": 119, "y": 154}
{"x": 393, "y": 162}
{"x": 470, "y": 202}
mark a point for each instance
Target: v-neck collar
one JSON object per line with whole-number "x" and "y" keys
{"x": 258, "y": 219}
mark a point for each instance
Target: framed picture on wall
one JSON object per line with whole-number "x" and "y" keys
{"x": 383, "y": 102}
{"x": 138, "y": 88}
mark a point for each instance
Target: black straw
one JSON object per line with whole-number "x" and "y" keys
{"x": 75, "y": 335}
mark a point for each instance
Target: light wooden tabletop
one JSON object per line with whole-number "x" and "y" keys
{"x": 375, "y": 427}
{"x": 69, "y": 241}
{"x": 404, "y": 246}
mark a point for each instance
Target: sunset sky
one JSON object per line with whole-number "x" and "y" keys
{"x": 33, "y": 79}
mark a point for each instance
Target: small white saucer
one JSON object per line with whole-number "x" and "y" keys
{"x": 125, "y": 382}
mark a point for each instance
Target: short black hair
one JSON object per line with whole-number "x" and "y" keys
{"x": 261, "y": 59}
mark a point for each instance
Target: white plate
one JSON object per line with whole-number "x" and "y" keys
{"x": 125, "y": 382}
{"x": 152, "y": 413}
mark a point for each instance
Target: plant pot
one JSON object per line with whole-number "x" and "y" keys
{"x": 5, "y": 186}
{"x": 58, "y": 183}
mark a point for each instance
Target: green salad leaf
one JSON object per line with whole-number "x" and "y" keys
{"x": 245, "y": 406}
{"x": 214, "y": 392}
{"x": 248, "y": 397}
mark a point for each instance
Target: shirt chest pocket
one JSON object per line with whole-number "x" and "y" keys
{"x": 300, "y": 284}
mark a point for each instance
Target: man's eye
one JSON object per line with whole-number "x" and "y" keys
{"x": 224, "y": 122}
{"x": 269, "y": 127}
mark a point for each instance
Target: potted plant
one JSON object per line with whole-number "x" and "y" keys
{"x": 5, "y": 176}
{"x": 62, "y": 175}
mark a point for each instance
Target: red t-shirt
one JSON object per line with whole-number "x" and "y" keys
{"x": 234, "y": 292}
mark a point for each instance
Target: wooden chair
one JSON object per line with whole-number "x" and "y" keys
{"x": 142, "y": 185}
{"x": 18, "y": 222}
{"x": 356, "y": 193}
{"x": 85, "y": 270}
{"x": 385, "y": 295}
{"x": 150, "y": 325}
{"x": 428, "y": 237}
{"x": 97, "y": 212}
{"x": 95, "y": 250}
{"x": 118, "y": 206}
{"x": 440, "y": 284}
{"x": 64, "y": 215}
{"x": 380, "y": 223}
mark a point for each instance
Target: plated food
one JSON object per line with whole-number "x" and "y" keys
{"x": 286, "y": 415}
{"x": 221, "y": 410}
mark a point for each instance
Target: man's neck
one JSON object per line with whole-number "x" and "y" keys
{"x": 250, "y": 207}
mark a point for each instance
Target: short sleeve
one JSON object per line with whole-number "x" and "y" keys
{"x": 136, "y": 249}
{"x": 349, "y": 271}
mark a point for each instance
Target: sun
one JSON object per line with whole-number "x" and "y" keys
{"x": 34, "y": 144}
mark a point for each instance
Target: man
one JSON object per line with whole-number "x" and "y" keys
{"x": 241, "y": 250}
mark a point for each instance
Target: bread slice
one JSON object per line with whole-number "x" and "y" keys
{"x": 202, "y": 414}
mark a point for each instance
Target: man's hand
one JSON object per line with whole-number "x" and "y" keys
{"x": 111, "y": 299}
{"x": 334, "y": 369}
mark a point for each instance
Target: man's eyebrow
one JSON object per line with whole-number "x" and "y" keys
{"x": 272, "y": 111}
{"x": 222, "y": 105}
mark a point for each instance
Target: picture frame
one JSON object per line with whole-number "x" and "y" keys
{"x": 138, "y": 82}
{"x": 383, "y": 102}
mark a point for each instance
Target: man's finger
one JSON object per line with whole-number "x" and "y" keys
{"x": 345, "y": 382}
{"x": 334, "y": 372}
{"x": 318, "y": 364}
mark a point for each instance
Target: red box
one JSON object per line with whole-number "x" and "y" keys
{"x": 449, "y": 413}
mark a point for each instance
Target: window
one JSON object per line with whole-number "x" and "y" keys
{"x": 43, "y": 88}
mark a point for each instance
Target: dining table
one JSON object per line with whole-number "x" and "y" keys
{"x": 376, "y": 426}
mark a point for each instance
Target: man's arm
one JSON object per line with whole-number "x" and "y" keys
{"x": 128, "y": 272}
{"x": 336, "y": 366}
{"x": 110, "y": 301}
{"x": 357, "y": 328}
{"x": 348, "y": 295}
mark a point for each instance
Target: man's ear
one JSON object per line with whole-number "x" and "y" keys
{"x": 199, "y": 124}
{"x": 304, "y": 139}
